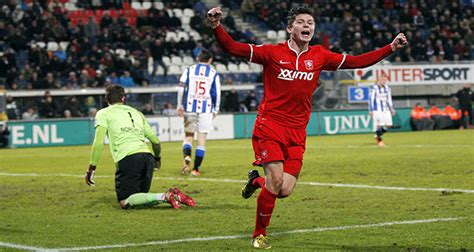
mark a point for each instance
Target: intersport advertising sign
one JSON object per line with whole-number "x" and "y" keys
{"x": 418, "y": 74}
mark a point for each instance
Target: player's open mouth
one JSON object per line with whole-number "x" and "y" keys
{"x": 305, "y": 33}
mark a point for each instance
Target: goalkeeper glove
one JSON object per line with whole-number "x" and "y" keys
{"x": 157, "y": 163}
{"x": 90, "y": 175}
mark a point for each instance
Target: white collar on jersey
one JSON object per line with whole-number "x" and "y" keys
{"x": 289, "y": 46}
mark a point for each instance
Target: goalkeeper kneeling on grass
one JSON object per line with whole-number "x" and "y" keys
{"x": 126, "y": 129}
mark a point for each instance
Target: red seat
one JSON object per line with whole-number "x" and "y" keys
{"x": 74, "y": 21}
{"x": 132, "y": 21}
{"x": 113, "y": 13}
{"x": 126, "y": 5}
{"x": 122, "y": 12}
{"x": 99, "y": 12}
{"x": 88, "y": 13}
{"x": 97, "y": 19}
{"x": 74, "y": 14}
{"x": 133, "y": 13}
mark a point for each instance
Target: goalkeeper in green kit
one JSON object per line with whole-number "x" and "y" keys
{"x": 127, "y": 129}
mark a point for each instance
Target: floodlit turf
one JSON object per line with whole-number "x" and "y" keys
{"x": 49, "y": 206}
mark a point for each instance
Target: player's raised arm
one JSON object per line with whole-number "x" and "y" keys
{"x": 373, "y": 57}
{"x": 234, "y": 48}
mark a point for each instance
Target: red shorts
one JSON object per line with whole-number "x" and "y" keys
{"x": 273, "y": 142}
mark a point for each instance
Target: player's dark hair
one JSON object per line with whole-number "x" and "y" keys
{"x": 114, "y": 94}
{"x": 204, "y": 55}
{"x": 295, "y": 11}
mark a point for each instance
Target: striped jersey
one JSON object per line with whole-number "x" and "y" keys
{"x": 380, "y": 98}
{"x": 202, "y": 89}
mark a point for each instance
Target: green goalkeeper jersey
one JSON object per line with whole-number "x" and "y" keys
{"x": 126, "y": 128}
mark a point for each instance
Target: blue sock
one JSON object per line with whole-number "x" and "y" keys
{"x": 200, "y": 151}
{"x": 379, "y": 133}
{"x": 187, "y": 149}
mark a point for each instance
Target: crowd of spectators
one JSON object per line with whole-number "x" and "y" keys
{"x": 91, "y": 58}
{"x": 436, "y": 30}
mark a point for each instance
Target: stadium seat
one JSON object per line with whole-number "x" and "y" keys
{"x": 88, "y": 13}
{"x": 121, "y": 53}
{"x": 170, "y": 35}
{"x": 70, "y": 6}
{"x": 271, "y": 34}
{"x": 176, "y": 60}
{"x": 188, "y": 12}
{"x": 126, "y": 5}
{"x": 160, "y": 70}
{"x": 41, "y": 44}
{"x": 185, "y": 20}
{"x": 221, "y": 68}
{"x": 195, "y": 35}
{"x": 255, "y": 68}
{"x": 159, "y": 5}
{"x": 178, "y": 12}
{"x": 64, "y": 45}
{"x": 52, "y": 46}
{"x": 166, "y": 60}
{"x": 122, "y": 12}
{"x": 281, "y": 35}
{"x": 233, "y": 68}
{"x": 183, "y": 67}
{"x": 149, "y": 61}
{"x": 244, "y": 67}
{"x": 183, "y": 35}
{"x": 113, "y": 13}
{"x": 136, "y": 5}
{"x": 187, "y": 28}
{"x": 173, "y": 69}
{"x": 133, "y": 13}
{"x": 188, "y": 60}
{"x": 146, "y": 5}
{"x": 99, "y": 12}
{"x": 132, "y": 21}
{"x": 150, "y": 69}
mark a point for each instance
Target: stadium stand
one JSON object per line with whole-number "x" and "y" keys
{"x": 64, "y": 44}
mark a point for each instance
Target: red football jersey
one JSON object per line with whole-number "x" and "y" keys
{"x": 290, "y": 79}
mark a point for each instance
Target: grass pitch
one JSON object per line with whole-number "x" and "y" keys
{"x": 45, "y": 204}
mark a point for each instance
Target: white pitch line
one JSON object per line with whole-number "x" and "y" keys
{"x": 358, "y": 146}
{"x": 393, "y": 188}
{"x": 22, "y": 247}
{"x": 231, "y": 237}
{"x": 389, "y": 145}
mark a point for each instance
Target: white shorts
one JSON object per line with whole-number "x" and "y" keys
{"x": 382, "y": 118}
{"x": 194, "y": 122}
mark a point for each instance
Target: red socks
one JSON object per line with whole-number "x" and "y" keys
{"x": 259, "y": 182}
{"x": 265, "y": 204}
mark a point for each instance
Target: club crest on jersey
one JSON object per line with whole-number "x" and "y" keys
{"x": 287, "y": 74}
{"x": 308, "y": 64}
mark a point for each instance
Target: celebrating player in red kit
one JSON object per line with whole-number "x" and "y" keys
{"x": 290, "y": 75}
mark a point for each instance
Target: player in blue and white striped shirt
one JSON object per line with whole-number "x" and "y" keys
{"x": 381, "y": 108}
{"x": 199, "y": 95}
